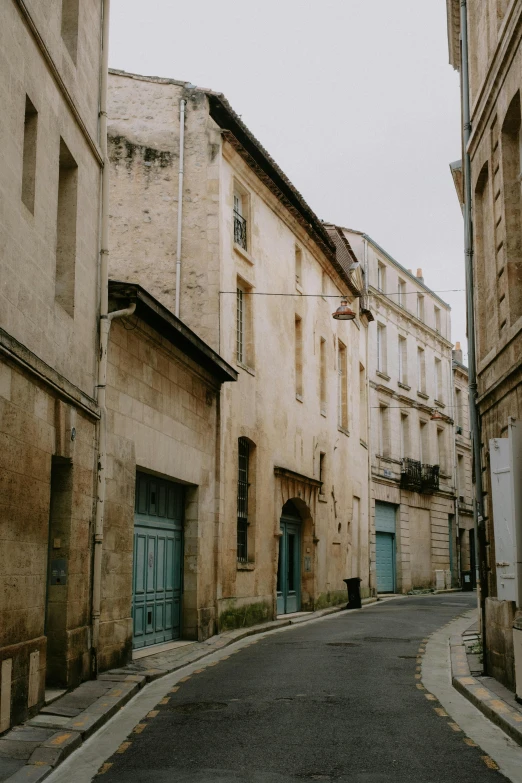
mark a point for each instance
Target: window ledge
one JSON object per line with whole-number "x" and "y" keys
{"x": 343, "y": 430}
{"x": 245, "y": 566}
{"x": 382, "y": 375}
{"x": 246, "y": 368}
{"x": 323, "y": 413}
{"x": 439, "y": 403}
{"x": 404, "y": 386}
{"x": 242, "y": 252}
{"x": 423, "y": 395}
{"x": 321, "y": 497}
{"x": 299, "y": 397}
{"x": 298, "y": 287}
{"x": 363, "y": 444}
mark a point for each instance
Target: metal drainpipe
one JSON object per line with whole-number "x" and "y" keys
{"x": 368, "y": 431}
{"x": 182, "y": 104}
{"x": 480, "y": 528}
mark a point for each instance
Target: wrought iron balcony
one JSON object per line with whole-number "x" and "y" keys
{"x": 430, "y": 479}
{"x": 411, "y": 475}
{"x": 240, "y": 230}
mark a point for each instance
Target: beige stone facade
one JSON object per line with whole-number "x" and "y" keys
{"x": 412, "y": 456}
{"x": 495, "y": 67}
{"x": 49, "y": 190}
{"x": 260, "y": 278}
{"x": 466, "y": 544}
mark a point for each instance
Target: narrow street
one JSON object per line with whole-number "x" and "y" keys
{"x": 334, "y": 700}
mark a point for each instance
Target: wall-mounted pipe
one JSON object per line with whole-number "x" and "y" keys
{"x": 182, "y": 105}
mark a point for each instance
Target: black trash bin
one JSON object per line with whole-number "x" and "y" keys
{"x": 354, "y": 592}
{"x": 467, "y": 582}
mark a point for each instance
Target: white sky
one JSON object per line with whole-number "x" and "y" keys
{"x": 354, "y": 99}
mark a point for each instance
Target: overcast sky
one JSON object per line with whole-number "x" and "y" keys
{"x": 354, "y": 99}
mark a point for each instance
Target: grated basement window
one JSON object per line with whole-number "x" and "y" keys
{"x": 242, "y": 500}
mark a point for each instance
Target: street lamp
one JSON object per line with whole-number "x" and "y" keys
{"x": 343, "y": 313}
{"x": 435, "y": 416}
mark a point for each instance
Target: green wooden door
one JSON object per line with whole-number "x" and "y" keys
{"x": 289, "y": 567}
{"x": 158, "y": 557}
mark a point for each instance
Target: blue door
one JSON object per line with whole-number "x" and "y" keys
{"x": 289, "y": 566}
{"x": 385, "y": 562}
{"x": 158, "y": 557}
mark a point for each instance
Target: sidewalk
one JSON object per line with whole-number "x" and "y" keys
{"x": 29, "y": 753}
{"x": 494, "y": 700}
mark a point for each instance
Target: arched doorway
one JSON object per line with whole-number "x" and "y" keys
{"x": 289, "y": 564}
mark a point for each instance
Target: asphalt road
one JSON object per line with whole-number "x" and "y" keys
{"x": 334, "y": 700}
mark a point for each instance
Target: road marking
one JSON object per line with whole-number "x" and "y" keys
{"x": 442, "y": 713}
{"x": 470, "y": 742}
{"x": 123, "y": 747}
{"x": 418, "y": 676}
{"x": 430, "y": 697}
{"x": 420, "y": 687}
{"x": 186, "y": 679}
{"x": 165, "y": 700}
{"x": 175, "y": 689}
{"x": 152, "y": 713}
{"x": 214, "y": 663}
{"x": 455, "y": 726}
{"x": 105, "y": 768}
{"x": 488, "y": 761}
{"x": 199, "y": 671}
{"x": 139, "y": 728}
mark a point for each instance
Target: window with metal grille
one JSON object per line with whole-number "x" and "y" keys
{"x": 240, "y": 223}
{"x": 242, "y": 500}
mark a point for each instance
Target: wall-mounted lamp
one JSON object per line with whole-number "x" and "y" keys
{"x": 343, "y": 313}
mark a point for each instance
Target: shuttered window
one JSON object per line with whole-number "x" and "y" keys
{"x": 242, "y": 500}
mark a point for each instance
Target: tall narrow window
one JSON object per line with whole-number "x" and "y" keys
{"x": 70, "y": 15}
{"x": 322, "y": 462}
{"x": 363, "y": 402}
{"x": 66, "y": 230}
{"x": 461, "y": 476}
{"x": 240, "y": 219}
{"x": 29, "y": 155}
{"x": 240, "y": 325}
{"x": 437, "y": 319}
{"x": 512, "y": 171}
{"x": 421, "y": 371}
{"x": 324, "y": 284}
{"x": 384, "y": 431}
{"x": 242, "y": 500}
{"x": 381, "y": 276}
{"x": 458, "y": 412}
{"x": 298, "y": 357}
{"x": 244, "y": 325}
{"x": 424, "y": 447}
{"x": 420, "y": 307}
{"x": 438, "y": 379}
{"x": 342, "y": 396}
{"x": 322, "y": 381}
{"x": 441, "y": 451}
{"x": 403, "y": 361}
{"x": 405, "y": 435}
{"x": 298, "y": 266}
{"x": 381, "y": 348}
{"x": 402, "y": 293}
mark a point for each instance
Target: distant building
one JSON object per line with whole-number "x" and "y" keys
{"x": 466, "y": 544}
{"x": 50, "y": 172}
{"x": 259, "y": 276}
{"x": 492, "y": 140}
{"x": 412, "y": 439}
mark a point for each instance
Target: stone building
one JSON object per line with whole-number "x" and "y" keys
{"x": 466, "y": 544}
{"x": 412, "y": 447}
{"x": 491, "y": 33}
{"x": 259, "y": 278}
{"x": 50, "y": 194}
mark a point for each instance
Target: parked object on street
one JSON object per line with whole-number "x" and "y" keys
{"x": 354, "y": 592}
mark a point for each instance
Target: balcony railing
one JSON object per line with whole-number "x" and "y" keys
{"x": 417, "y": 477}
{"x": 240, "y": 230}
{"x": 430, "y": 479}
{"x": 411, "y": 475}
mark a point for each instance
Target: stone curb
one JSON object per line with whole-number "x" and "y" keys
{"x": 494, "y": 708}
{"x": 127, "y": 681}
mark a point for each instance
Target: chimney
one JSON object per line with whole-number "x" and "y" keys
{"x": 457, "y": 353}
{"x": 419, "y": 275}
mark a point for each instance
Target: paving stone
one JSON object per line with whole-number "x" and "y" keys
{"x": 56, "y": 709}
{"x": 8, "y": 767}
{"x": 28, "y": 734}
{"x": 86, "y": 724}
{"x": 57, "y": 748}
{"x": 17, "y": 750}
{"x": 30, "y": 773}
{"x": 49, "y": 721}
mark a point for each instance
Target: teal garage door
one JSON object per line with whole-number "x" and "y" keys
{"x": 158, "y": 556}
{"x": 385, "y": 514}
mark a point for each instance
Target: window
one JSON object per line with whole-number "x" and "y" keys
{"x": 324, "y": 284}
{"x": 437, "y": 319}
{"x": 511, "y": 174}
{"x": 298, "y": 266}
{"x": 461, "y": 475}
{"x": 381, "y": 276}
{"x": 402, "y": 293}
{"x": 322, "y": 370}
{"x": 242, "y": 499}
{"x": 244, "y": 325}
{"x": 363, "y": 410}
{"x": 421, "y": 371}
{"x": 66, "y": 230}
{"x": 424, "y": 449}
{"x": 384, "y": 434}
{"x": 342, "y": 396}
{"x": 405, "y": 435}
{"x": 458, "y": 411}
{"x": 403, "y": 361}
{"x": 70, "y": 13}
{"x": 240, "y": 219}
{"x": 438, "y": 379}
{"x": 322, "y": 474}
{"x": 420, "y": 307}
{"x": 29, "y": 155}
{"x": 441, "y": 450}
{"x": 381, "y": 348}
{"x": 298, "y": 357}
